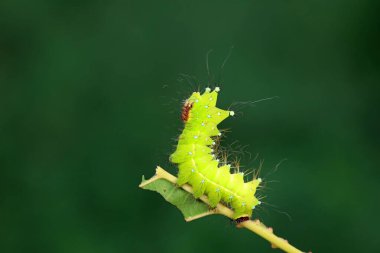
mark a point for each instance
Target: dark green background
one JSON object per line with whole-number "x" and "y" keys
{"x": 90, "y": 96}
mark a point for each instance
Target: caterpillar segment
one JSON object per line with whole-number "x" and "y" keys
{"x": 198, "y": 166}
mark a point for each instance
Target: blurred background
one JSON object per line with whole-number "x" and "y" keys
{"x": 90, "y": 99}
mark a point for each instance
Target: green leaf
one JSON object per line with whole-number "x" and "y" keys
{"x": 184, "y": 201}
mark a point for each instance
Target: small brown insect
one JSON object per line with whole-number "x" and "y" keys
{"x": 186, "y": 111}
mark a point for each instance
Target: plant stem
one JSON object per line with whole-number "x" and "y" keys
{"x": 255, "y": 226}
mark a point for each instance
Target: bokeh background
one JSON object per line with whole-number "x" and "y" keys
{"x": 90, "y": 96}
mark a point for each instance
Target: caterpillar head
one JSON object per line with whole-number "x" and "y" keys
{"x": 199, "y": 106}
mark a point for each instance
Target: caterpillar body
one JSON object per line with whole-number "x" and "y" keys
{"x": 198, "y": 166}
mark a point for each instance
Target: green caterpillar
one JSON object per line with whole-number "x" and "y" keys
{"x": 197, "y": 164}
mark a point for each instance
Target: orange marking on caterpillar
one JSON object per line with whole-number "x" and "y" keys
{"x": 186, "y": 111}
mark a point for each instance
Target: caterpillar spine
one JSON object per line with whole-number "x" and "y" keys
{"x": 197, "y": 164}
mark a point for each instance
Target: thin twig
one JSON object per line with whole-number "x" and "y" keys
{"x": 254, "y": 225}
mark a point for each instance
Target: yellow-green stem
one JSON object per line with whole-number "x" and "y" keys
{"x": 255, "y": 226}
